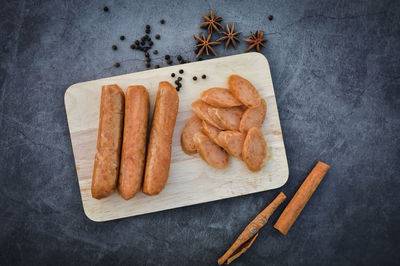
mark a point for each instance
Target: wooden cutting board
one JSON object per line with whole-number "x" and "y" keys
{"x": 191, "y": 180}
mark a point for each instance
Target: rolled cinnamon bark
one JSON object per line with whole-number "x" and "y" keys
{"x": 300, "y": 199}
{"x": 247, "y": 237}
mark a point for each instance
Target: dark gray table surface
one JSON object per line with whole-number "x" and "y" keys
{"x": 336, "y": 73}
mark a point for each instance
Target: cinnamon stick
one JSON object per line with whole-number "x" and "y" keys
{"x": 247, "y": 237}
{"x": 300, "y": 199}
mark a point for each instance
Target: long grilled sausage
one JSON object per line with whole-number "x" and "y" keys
{"x": 134, "y": 141}
{"x": 106, "y": 161}
{"x": 162, "y": 129}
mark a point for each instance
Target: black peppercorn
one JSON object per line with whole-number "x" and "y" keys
{"x": 204, "y": 76}
{"x": 147, "y": 65}
{"x": 146, "y": 54}
{"x": 179, "y": 57}
{"x": 117, "y": 64}
{"x": 169, "y": 62}
{"x": 181, "y": 71}
{"x": 145, "y": 49}
{"x": 270, "y": 17}
{"x": 155, "y": 52}
{"x": 176, "y": 82}
{"x": 199, "y": 59}
{"x": 147, "y": 26}
{"x": 133, "y": 46}
{"x": 122, "y": 37}
{"x": 147, "y": 31}
{"x": 157, "y": 36}
{"x": 105, "y": 9}
{"x": 179, "y": 86}
{"x": 172, "y": 74}
{"x": 137, "y": 42}
{"x": 157, "y": 66}
{"x": 151, "y": 43}
{"x": 162, "y": 21}
{"x": 114, "y": 47}
{"x": 194, "y": 78}
{"x": 148, "y": 59}
{"x": 179, "y": 78}
{"x": 142, "y": 43}
{"x": 167, "y": 57}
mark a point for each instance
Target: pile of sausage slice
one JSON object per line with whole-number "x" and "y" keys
{"x": 226, "y": 122}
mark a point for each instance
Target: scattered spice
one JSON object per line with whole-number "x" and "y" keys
{"x": 172, "y": 74}
{"x": 137, "y": 42}
{"x": 162, "y": 21}
{"x": 199, "y": 59}
{"x": 105, "y": 9}
{"x": 114, "y": 47}
{"x": 155, "y": 52}
{"x": 122, "y": 37}
{"x": 146, "y": 54}
{"x": 256, "y": 41}
{"x": 180, "y": 71}
{"x": 148, "y": 59}
{"x": 133, "y": 46}
{"x": 194, "y": 78}
{"x": 179, "y": 57}
{"x": 148, "y": 65}
{"x": 205, "y": 44}
{"x": 143, "y": 42}
{"x": 167, "y": 57}
{"x": 211, "y": 22}
{"x": 204, "y": 76}
{"x": 270, "y": 17}
{"x": 157, "y": 36}
{"x": 169, "y": 62}
{"x": 157, "y": 66}
{"x": 179, "y": 78}
{"x": 176, "y": 82}
{"x": 147, "y": 26}
{"x": 117, "y": 64}
{"x": 147, "y": 31}
{"x": 151, "y": 43}
{"x": 230, "y": 36}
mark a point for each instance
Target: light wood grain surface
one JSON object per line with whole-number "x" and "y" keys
{"x": 191, "y": 180}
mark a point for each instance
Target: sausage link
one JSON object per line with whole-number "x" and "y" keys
{"x": 106, "y": 161}
{"x": 159, "y": 149}
{"x": 134, "y": 141}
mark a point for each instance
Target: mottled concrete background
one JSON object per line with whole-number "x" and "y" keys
{"x": 336, "y": 71}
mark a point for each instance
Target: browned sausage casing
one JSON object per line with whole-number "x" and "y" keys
{"x": 109, "y": 138}
{"x": 162, "y": 129}
{"x": 134, "y": 141}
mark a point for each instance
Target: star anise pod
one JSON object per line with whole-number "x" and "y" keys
{"x": 230, "y": 36}
{"x": 211, "y": 22}
{"x": 255, "y": 41}
{"x": 205, "y": 43}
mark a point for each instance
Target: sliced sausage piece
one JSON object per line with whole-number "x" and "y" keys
{"x": 254, "y": 149}
{"x": 219, "y": 97}
{"x": 213, "y": 154}
{"x": 159, "y": 148}
{"x": 243, "y": 90}
{"x": 200, "y": 108}
{"x": 134, "y": 141}
{"x": 232, "y": 142}
{"x": 210, "y": 131}
{"x": 192, "y": 126}
{"x": 109, "y": 138}
{"x": 227, "y": 118}
{"x": 253, "y": 117}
